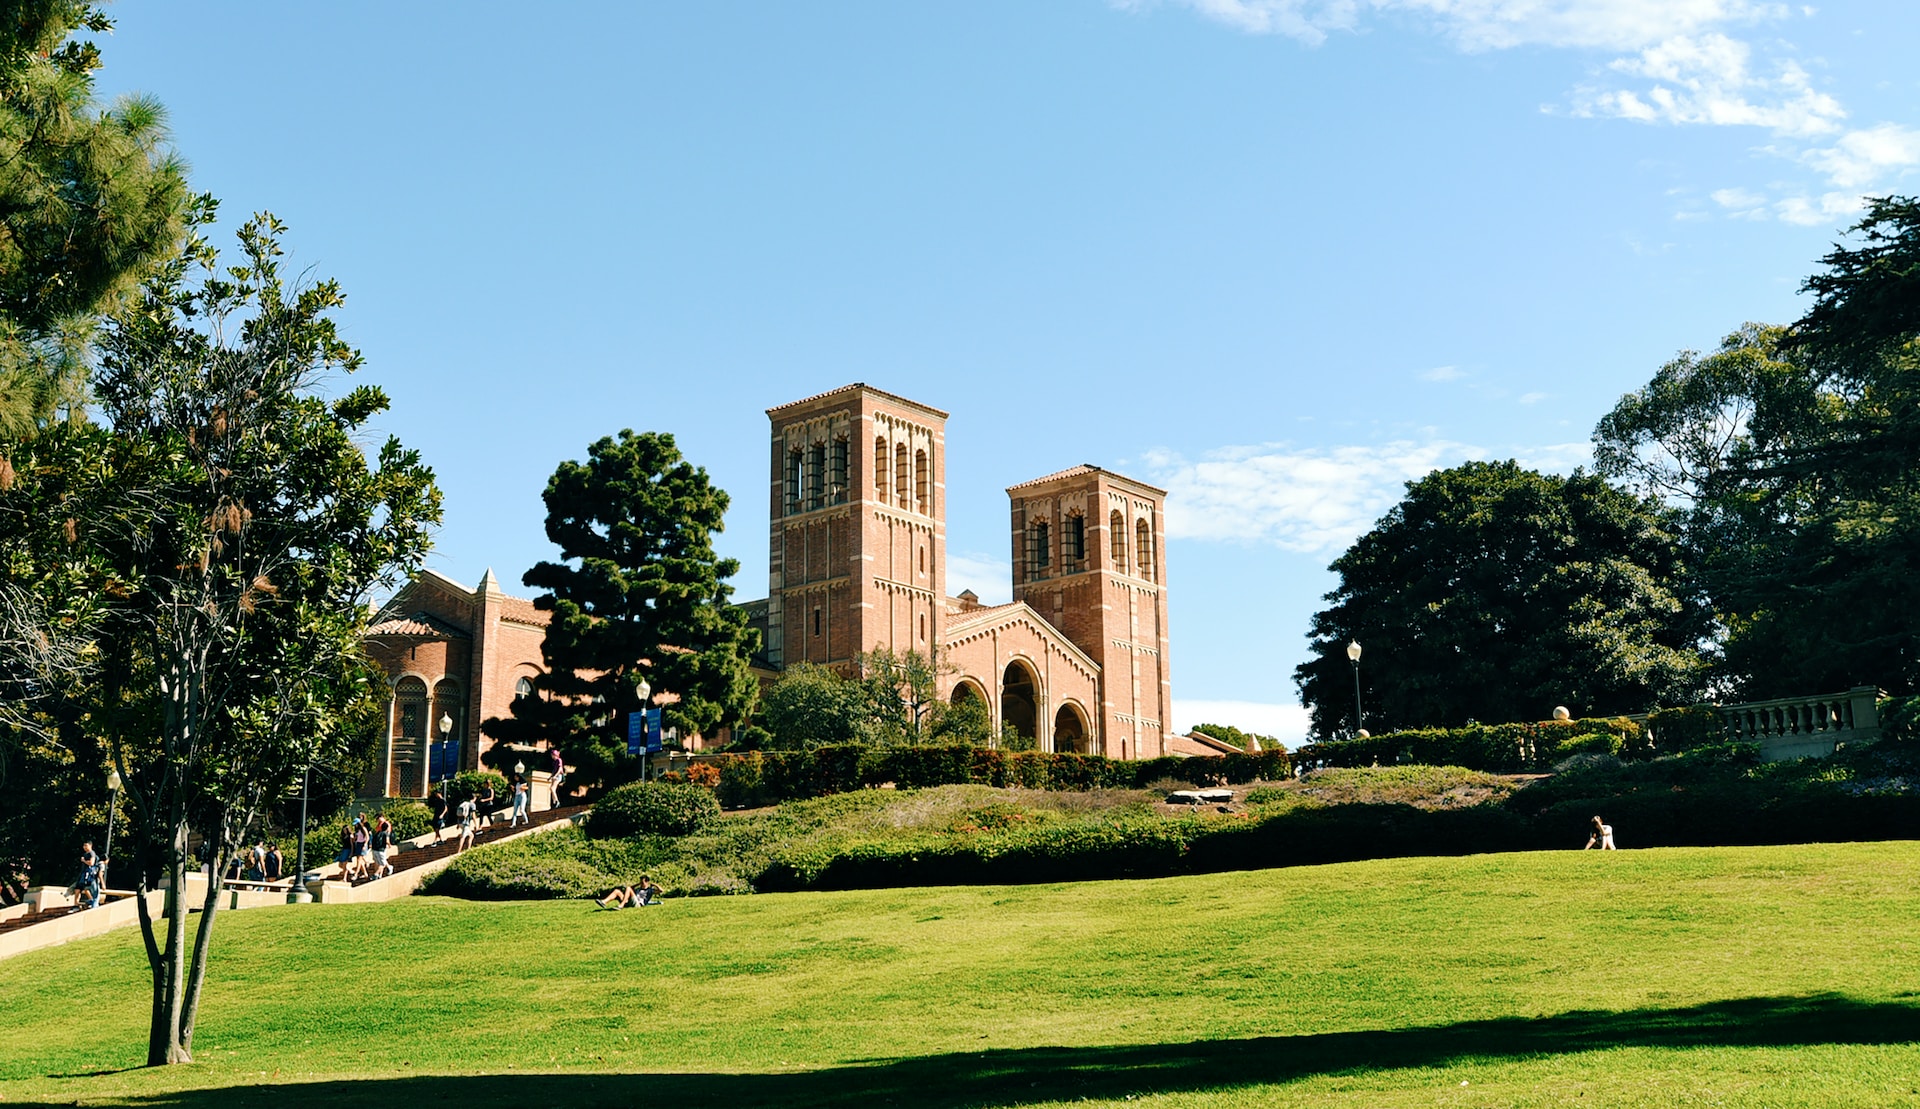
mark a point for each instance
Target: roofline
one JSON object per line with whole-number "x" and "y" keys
{"x": 1012, "y": 609}
{"x": 863, "y": 387}
{"x": 1076, "y": 471}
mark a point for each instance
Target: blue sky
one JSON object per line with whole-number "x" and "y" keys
{"x": 1278, "y": 256}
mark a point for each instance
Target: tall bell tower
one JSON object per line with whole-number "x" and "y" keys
{"x": 1089, "y": 555}
{"x": 857, "y": 537}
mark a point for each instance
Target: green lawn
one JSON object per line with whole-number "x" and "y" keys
{"x": 1736, "y": 976}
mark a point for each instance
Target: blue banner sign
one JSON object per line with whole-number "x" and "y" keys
{"x": 636, "y": 731}
{"x": 653, "y": 731}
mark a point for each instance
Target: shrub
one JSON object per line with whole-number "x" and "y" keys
{"x": 652, "y": 808}
{"x": 1683, "y": 729}
{"x": 473, "y": 783}
{"x": 1496, "y": 748}
{"x": 703, "y": 774}
{"x": 1900, "y": 718}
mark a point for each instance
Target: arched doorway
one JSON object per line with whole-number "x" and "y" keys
{"x": 1070, "y": 731}
{"x": 1019, "y": 696}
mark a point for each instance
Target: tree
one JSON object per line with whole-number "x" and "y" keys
{"x": 639, "y": 596}
{"x": 903, "y": 692}
{"x": 233, "y": 529}
{"x": 1234, "y": 737}
{"x": 90, "y": 202}
{"x": 1494, "y": 593}
{"x": 810, "y": 706}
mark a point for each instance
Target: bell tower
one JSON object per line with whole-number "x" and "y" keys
{"x": 1089, "y": 555}
{"x": 857, "y": 537}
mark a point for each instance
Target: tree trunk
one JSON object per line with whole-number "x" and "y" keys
{"x": 202, "y": 942}
{"x": 169, "y": 960}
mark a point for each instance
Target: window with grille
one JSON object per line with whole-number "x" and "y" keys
{"x": 922, "y": 483}
{"x": 900, "y": 476}
{"x": 817, "y": 476}
{"x": 794, "y": 462}
{"x": 1117, "y": 541}
{"x": 837, "y": 473}
{"x": 1143, "y": 539}
{"x": 1039, "y": 552}
{"x": 1073, "y": 543}
{"x": 880, "y": 469}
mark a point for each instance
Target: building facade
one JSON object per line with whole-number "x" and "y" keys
{"x": 857, "y": 559}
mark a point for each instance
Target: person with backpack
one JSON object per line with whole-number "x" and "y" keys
{"x": 468, "y": 821}
{"x": 438, "y": 804}
{"x": 381, "y": 841}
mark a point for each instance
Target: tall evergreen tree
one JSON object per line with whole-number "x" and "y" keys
{"x": 638, "y": 596}
{"x": 90, "y": 201}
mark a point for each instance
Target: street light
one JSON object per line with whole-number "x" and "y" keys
{"x": 1353, "y": 656}
{"x": 446, "y": 727}
{"x": 644, "y": 691}
{"x": 298, "y": 894}
{"x": 113, "y": 803}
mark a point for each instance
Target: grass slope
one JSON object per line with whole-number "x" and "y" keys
{"x": 1750, "y": 976}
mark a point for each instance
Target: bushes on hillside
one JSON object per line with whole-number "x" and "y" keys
{"x": 759, "y": 778}
{"x": 1683, "y": 729}
{"x": 652, "y": 809}
{"x": 1497, "y": 748}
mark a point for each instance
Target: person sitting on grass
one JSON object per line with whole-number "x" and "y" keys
{"x": 1602, "y": 836}
{"x": 627, "y": 897}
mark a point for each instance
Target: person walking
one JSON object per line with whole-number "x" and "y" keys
{"x": 488, "y": 801}
{"x": 559, "y": 773}
{"x": 381, "y": 841}
{"x": 86, "y": 885}
{"x": 276, "y": 865}
{"x": 438, "y": 804}
{"x": 1602, "y": 836}
{"x": 362, "y": 853}
{"x": 468, "y": 820}
{"x": 521, "y": 801}
{"x": 345, "y": 857}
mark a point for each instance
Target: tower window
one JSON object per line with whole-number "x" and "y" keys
{"x": 816, "y": 621}
{"x": 837, "y": 474}
{"x": 1117, "y": 541}
{"x": 817, "y": 476}
{"x": 794, "y": 462}
{"x": 1143, "y": 539}
{"x": 1039, "y": 552}
{"x": 1073, "y": 543}
{"x": 923, "y": 627}
{"x": 922, "y": 482}
{"x": 880, "y": 469}
{"x": 900, "y": 475}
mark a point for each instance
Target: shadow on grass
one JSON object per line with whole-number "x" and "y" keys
{"x": 994, "y": 1078}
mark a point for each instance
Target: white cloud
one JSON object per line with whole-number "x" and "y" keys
{"x": 1532, "y": 398}
{"x": 1491, "y": 24}
{"x": 1443, "y": 373}
{"x": 1286, "y": 722}
{"x": 1813, "y": 211}
{"x": 1709, "y": 79}
{"x": 1864, "y": 158}
{"x": 1555, "y": 458}
{"x": 1311, "y": 501}
{"x": 991, "y": 579}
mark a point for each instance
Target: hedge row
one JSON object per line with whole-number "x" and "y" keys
{"x": 1495, "y": 748}
{"x": 769, "y": 777}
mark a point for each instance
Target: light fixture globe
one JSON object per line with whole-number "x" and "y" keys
{"x": 1560, "y": 713}
{"x": 113, "y": 780}
{"x": 644, "y": 691}
{"x": 1353, "y": 650}
{"x": 446, "y": 724}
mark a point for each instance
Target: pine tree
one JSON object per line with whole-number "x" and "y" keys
{"x": 638, "y": 596}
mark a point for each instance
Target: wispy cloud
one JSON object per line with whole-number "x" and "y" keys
{"x": 1679, "y": 63}
{"x": 990, "y": 578}
{"x": 1298, "y": 499}
{"x": 1443, "y": 373}
{"x": 1313, "y": 501}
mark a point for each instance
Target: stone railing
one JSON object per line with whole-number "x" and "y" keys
{"x": 1800, "y": 727}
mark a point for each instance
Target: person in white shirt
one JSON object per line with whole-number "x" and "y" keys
{"x": 1602, "y": 836}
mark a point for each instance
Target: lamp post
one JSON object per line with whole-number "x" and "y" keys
{"x": 1353, "y": 656}
{"x": 644, "y": 691}
{"x": 446, "y": 728}
{"x": 298, "y": 894}
{"x": 113, "y": 804}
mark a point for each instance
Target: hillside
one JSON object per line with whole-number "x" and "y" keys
{"x": 1778, "y": 976}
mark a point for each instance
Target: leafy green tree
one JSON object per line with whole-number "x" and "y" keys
{"x": 1494, "y": 593}
{"x": 903, "y": 692}
{"x": 90, "y": 201}
{"x": 810, "y": 706}
{"x": 964, "y": 721}
{"x": 235, "y": 528}
{"x": 639, "y": 596}
{"x": 1234, "y": 737}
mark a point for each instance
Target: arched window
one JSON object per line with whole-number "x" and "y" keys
{"x": 522, "y": 689}
{"x": 817, "y": 476}
{"x": 900, "y": 475}
{"x": 837, "y": 475}
{"x": 1117, "y": 541}
{"x": 408, "y": 775}
{"x": 923, "y": 560}
{"x": 448, "y": 709}
{"x": 1073, "y": 543}
{"x": 794, "y": 462}
{"x": 1143, "y": 540}
{"x": 1039, "y": 549}
{"x": 880, "y": 469}
{"x": 922, "y": 483}
{"x": 923, "y": 627}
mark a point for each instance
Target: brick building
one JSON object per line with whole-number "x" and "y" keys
{"x": 857, "y": 559}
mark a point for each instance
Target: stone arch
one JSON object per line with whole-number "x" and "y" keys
{"x": 449, "y": 708}
{"x": 968, "y": 688}
{"x": 407, "y": 768}
{"x": 1020, "y": 698}
{"x": 1070, "y": 732}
